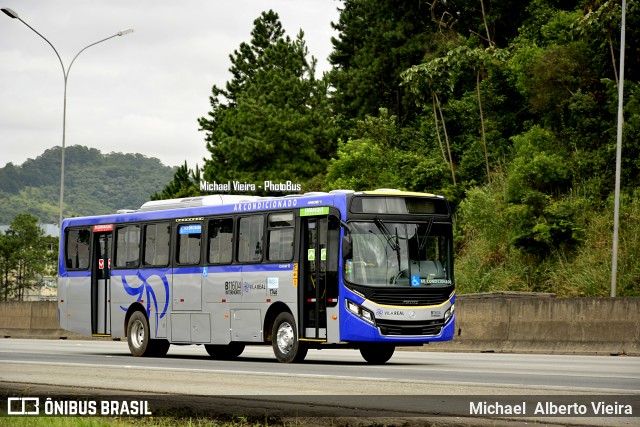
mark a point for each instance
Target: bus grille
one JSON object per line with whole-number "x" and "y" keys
{"x": 415, "y": 297}
{"x": 395, "y": 328}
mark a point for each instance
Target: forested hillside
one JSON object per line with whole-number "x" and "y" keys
{"x": 508, "y": 108}
{"x": 95, "y": 183}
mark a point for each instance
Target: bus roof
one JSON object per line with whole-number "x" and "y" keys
{"x": 230, "y": 204}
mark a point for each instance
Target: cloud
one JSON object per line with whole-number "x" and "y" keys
{"x": 142, "y": 92}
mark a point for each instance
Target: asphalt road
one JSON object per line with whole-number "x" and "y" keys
{"x": 407, "y": 384}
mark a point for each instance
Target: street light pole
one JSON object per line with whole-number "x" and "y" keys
{"x": 65, "y": 73}
{"x": 616, "y": 202}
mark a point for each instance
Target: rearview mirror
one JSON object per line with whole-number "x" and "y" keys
{"x": 346, "y": 247}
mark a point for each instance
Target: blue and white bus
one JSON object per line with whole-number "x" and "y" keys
{"x": 369, "y": 270}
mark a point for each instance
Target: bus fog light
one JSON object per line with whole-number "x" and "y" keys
{"x": 367, "y": 315}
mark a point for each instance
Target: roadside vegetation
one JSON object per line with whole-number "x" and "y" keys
{"x": 165, "y": 421}
{"x": 509, "y": 109}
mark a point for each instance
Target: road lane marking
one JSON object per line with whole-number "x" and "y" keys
{"x": 586, "y": 390}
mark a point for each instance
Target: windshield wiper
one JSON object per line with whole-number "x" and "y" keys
{"x": 426, "y": 235}
{"x": 387, "y": 235}
{"x": 393, "y": 244}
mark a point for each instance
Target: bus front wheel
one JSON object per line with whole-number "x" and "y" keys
{"x": 377, "y": 354}
{"x": 284, "y": 339}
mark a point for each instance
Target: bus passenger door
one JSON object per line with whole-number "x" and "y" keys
{"x": 101, "y": 283}
{"x": 319, "y": 275}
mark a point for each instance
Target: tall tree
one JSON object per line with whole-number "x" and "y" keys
{"x": 185, "y": 183}
{"x": 373, "y": 157}
{"x": 441, "y": 74}
{"x": 377, "y": 40}
{"x": 272, "y": 122}
{"x": 28, "y": 259}
{"x": 8, "y": 246}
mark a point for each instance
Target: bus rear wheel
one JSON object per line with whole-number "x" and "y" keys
{"x": 224, "y": 352}
{"x": 284, "y": 339}
{"x": 138, "y": 338}
{"x": 138, "y": 334}
{"x": 377, "y": 354}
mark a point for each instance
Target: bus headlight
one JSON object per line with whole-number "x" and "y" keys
{"x": 361, "y": 312}
{"x": 353, "y": 307}
{"x": 449, "y": 313}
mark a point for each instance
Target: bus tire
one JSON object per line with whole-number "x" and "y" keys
{"x": 284, "y": 339}
{"x": 138, "y": 335}
{"x": 377, "y": 354}
{"x": 225, "y": 352}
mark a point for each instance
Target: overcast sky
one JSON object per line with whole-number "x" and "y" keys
{"x": 139, "y": 93}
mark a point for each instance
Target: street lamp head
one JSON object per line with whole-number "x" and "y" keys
{"x": 125, "y": 32}
{"x": 9, "y": 12}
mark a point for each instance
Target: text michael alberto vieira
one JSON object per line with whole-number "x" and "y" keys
{"x": 549, "y": 408}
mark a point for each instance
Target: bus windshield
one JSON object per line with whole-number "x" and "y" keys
{"x": 399, "y": 254}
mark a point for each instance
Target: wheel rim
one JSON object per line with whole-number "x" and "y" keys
{"x": 137, "y": 334}
{"x": 285, "y": 337}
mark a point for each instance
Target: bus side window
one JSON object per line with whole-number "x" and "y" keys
{"x": 250, "y": 232}
{"x": 280, "y": 237}
{"x": 189, "y": 237}
{"x": 220, "y": 241}
{"x": 77, "y": 249}
{"x": 157, "y": 239}
{"x": 127, "y": 246}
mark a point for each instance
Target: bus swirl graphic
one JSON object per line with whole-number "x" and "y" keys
{"x": 139, "y": 291}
